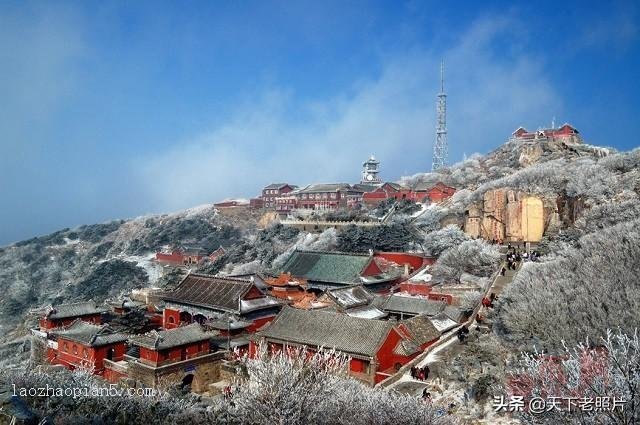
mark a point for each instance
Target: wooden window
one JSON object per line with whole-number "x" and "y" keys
{"x": 85, "y": 353}
{"x": 75, "y": 349}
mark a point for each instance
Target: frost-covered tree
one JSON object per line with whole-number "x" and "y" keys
{"x": 476, "y": 257}
{"x": 392, "y": 237}
{"x": 325, "y": 241}
{"x": 429, "y": 220}
{"x": 579, "y": 292}
{"x": 622, "y": 162}
{"x": 441, "y": 240}
{"x": 298, "y": 387}
{"x": 607, "y": 369}
{"x": 254, "y": 266}
{"x": 470, "y": 300}
{"x": 94, "y": 401}
{"x": 610, "y": 213}
{"x": 293, "y": 388}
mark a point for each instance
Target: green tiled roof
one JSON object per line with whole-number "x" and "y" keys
{"x": 330, "y": 267}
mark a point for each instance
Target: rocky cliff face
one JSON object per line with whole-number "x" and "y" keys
{"x": 508, "y": 215}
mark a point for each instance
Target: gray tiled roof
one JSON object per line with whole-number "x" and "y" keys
{"x": 442, "y": 322}
{"x": 359, "y": 187}
{"x": 324, "y": 187}
{"x": 322, "y": 328}
{"x": 227, "y": 323}
{"x": 454, "y": 313}
{"x": 193, "y": 249}
{"x": 161, "y": 340}
{"x": 366, "y": 312}
{"x": 212, "y": 292}
{"x": 278, "y": 185}
{"x": 351, "y": 296}
{"x": 89, "y": 334}
{"x": 412, "y": 305}
{"x": 257, "y": 278}
{"x": 84, "y": 308}
{"x": 329, "y": 267}
{"x": 421, "y": 330}
{"x": 396, "y": 186}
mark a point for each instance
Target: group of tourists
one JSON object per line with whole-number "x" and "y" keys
{"x": 515, "y": 256}
{"x": 420, "y": 373}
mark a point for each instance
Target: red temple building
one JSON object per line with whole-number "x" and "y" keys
{"x": 273, "y": 191}
{"x": 158, "y": 348}
{"x": 328, "y": 196}
{"x": 256, "y": 203}
{"x": 421, "y": 193}
{"x": 386, "y": 191}
{"x": 437, "y": 193}
{"x": 182, "y": 355}
{"x": 285, "y": 204}
{"x": 186, "y": 255}
{"x": 287, "y": 288}
{"x": 221, "y": 302}
{"x": 565, "y": 133}
{"x": 65, "y": 314}
{"x": 377, "y": 348}
{"x": 85, "y": 345}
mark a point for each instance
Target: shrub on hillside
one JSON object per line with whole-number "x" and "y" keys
{"x": 393, "y": 237}
{"x": 583, "y": 372}
{"x": 438, "y": 241}
{"x": 580, "y": 292}
{"x": 109, "y": 278}
{"x": 476, "y": 257}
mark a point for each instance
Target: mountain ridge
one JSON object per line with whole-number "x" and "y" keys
{"x": 104, "y": 260}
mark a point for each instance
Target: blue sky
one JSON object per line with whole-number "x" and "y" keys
{"x": 118, "y": 109}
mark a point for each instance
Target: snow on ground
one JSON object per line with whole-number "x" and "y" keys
{"x": 148, "y": 263}
{"x": 68, "y": 241}
{"x": 423, "y": 208}
{"x": 195, "y": 211}
{"x": 423, "y": 275}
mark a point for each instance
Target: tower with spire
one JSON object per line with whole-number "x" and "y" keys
{"x": 441, "y": 147}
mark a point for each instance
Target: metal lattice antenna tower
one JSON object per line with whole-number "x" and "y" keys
{"x": 440, "y": 147}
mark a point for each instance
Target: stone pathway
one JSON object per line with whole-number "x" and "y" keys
{"x": 408, "y": 385}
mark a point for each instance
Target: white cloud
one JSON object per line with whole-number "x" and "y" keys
{"x": 490, "y": 93}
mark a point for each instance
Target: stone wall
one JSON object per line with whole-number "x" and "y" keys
{"x": 205, "y": 370}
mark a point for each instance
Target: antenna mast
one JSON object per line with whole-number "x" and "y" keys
{"x": 441, "y": 148}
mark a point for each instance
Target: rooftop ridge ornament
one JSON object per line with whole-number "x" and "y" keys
{"x": 441, "y": 147}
